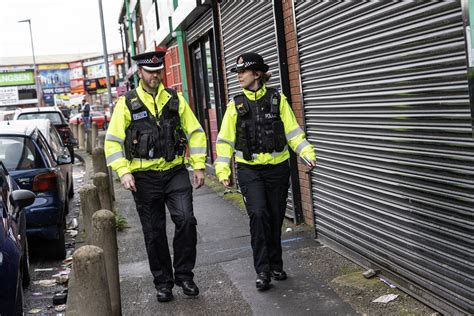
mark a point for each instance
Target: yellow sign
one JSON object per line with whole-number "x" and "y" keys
{"x": 53, "y": 66}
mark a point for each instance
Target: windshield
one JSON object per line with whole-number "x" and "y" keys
{"x": 19, "y": 153}
{"x": 54, "y": 117}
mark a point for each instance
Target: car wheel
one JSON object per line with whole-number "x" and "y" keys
{"x": 26, "y": 266}
{"x": 19, "y": 295}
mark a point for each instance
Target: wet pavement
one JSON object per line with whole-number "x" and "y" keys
{"x": 49, "y": 277}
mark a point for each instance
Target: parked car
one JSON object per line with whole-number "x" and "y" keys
{"x": 43, "y": 165}
{"x": 56, "y": 117}
{"x": 14, "y": 263}
{"x": 102, "y": 120}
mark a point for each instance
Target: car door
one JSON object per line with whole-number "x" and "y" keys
{"x": 53, "y": 156}
{"x": 61, "y": 154}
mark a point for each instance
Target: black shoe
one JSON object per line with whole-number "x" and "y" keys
{"x": 189, "y": 287}
{"x": 279, "y": 275}
{"x": 263, "y": 281}
{"x": 164, "y": 294}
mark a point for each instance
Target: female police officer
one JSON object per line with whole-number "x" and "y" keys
{"x": 259, "y": 124}
{"x": 145, "y": 145}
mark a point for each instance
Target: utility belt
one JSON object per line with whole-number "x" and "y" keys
{"x": 149, "y": 138}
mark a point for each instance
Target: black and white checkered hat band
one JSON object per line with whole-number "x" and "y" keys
{"x": 149, "y": 62}
{"x": 246, "y": 64}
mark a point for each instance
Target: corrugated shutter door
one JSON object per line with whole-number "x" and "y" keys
{"x": 200, "y": 27}
{"x": 248, "y": 26}
{"x": 387, "y": 107}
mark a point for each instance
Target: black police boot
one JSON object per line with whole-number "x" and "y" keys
{"x": 279, "y": 275}
{"x": 263, "y": 281}
{"x": 164, "y": 294}
{"x": 189, "y": 287}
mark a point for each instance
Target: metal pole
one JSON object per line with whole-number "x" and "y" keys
{"x": 130, "y": 37}
{"x": 106, "y": 57}
{"x": 39, "y": 95}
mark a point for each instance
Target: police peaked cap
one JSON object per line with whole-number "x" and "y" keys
{"x": 151, "y": 61}
{"x": 250, "y": 61}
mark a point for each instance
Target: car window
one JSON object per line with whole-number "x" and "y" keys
{"x": 43, "y": 144}
{"x": 19, "y": 153}
{"x": 55, "y": 142}
{"x": 55, "y": 117}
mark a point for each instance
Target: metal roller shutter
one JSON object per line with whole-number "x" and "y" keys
{"x": 200, "y": 27}
{"x": 387, "y": 107}
{"x": 248, "y": 26}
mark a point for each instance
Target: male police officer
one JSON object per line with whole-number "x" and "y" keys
{"x": 145, "y": 145}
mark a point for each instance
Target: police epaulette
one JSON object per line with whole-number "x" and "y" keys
{"x": 132, "y": 100}
{"x": 275, "y": 101}
{"x": 240, "y": 105}
{"x": 174, "y": 105}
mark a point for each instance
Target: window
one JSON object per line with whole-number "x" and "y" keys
{"x": 19, "y": 153}
{"x": 54, "y": 117}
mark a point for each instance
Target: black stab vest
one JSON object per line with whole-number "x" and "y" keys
{"x": 259, "y": 126}
{"x": 150, "y": 138}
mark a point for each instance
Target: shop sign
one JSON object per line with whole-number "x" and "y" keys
{"x": 56, "y": 90}
{"x": 77, "y": 86}
{"x": 16, "y": 78}
{"x": 93, "y": 85}
{"x": 55, "y": 78}
{"x": 8, "y": 95}
{"x": 98, "y": 71}
{"x": 53, "y": 66}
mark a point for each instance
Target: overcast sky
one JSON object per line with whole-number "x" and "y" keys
{"x": 58, "y": 26}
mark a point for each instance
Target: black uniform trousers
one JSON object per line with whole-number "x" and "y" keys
{"x": 265, "y": 190}
{"x": 154, "y": 190}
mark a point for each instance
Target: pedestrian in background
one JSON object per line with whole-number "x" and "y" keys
{"x": 145, "y": 145}
{"x": 259, "y": 124}
{"x": 86, "y": 110}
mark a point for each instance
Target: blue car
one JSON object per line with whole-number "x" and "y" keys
{"x": 33, "y": 153}
{"x": 14, "y": 264}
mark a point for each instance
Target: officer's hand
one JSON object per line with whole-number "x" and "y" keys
{"x": 128, "y": 182}
{"x": 311, "y": 165}
{"x": 198, "y": 178}
{"x": 226, "y": 183}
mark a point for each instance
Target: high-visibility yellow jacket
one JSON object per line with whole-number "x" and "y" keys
{"x": 226, "y": 139}
{"x": 115, "y": 138}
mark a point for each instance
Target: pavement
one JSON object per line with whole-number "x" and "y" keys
{"x": 320, "y": 281}
{"x": 224, "y": 269}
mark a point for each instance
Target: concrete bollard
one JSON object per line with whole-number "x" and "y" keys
{"x": 74, "y": 129}
{"x": 104, "y": 235}
{"x": 98, "y": 160}
{"x": 91, "y": 291}
{"x": 90, "y": 203}
{"x": 101, "y": 181}
{"x": 89, "y": 141}
{"x": 81, "y": 136}
{"x": 101, "y": 140}
{"x": 111, "y": 183}
{"x": 94, "y": 135}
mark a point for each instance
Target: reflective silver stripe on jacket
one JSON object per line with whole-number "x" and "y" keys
{"x": 114, "y": 157}
{"x": 113, "y": 138}
{"x": 199, "y": 129}
{"x": 294, "y": 133}
{"x": 240, "y": 154}
{"x": 197, "y": 150}
{"x": 302, "y": 145}
{"x": 223, "y": 159}
{"x": 225, "y": 141}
